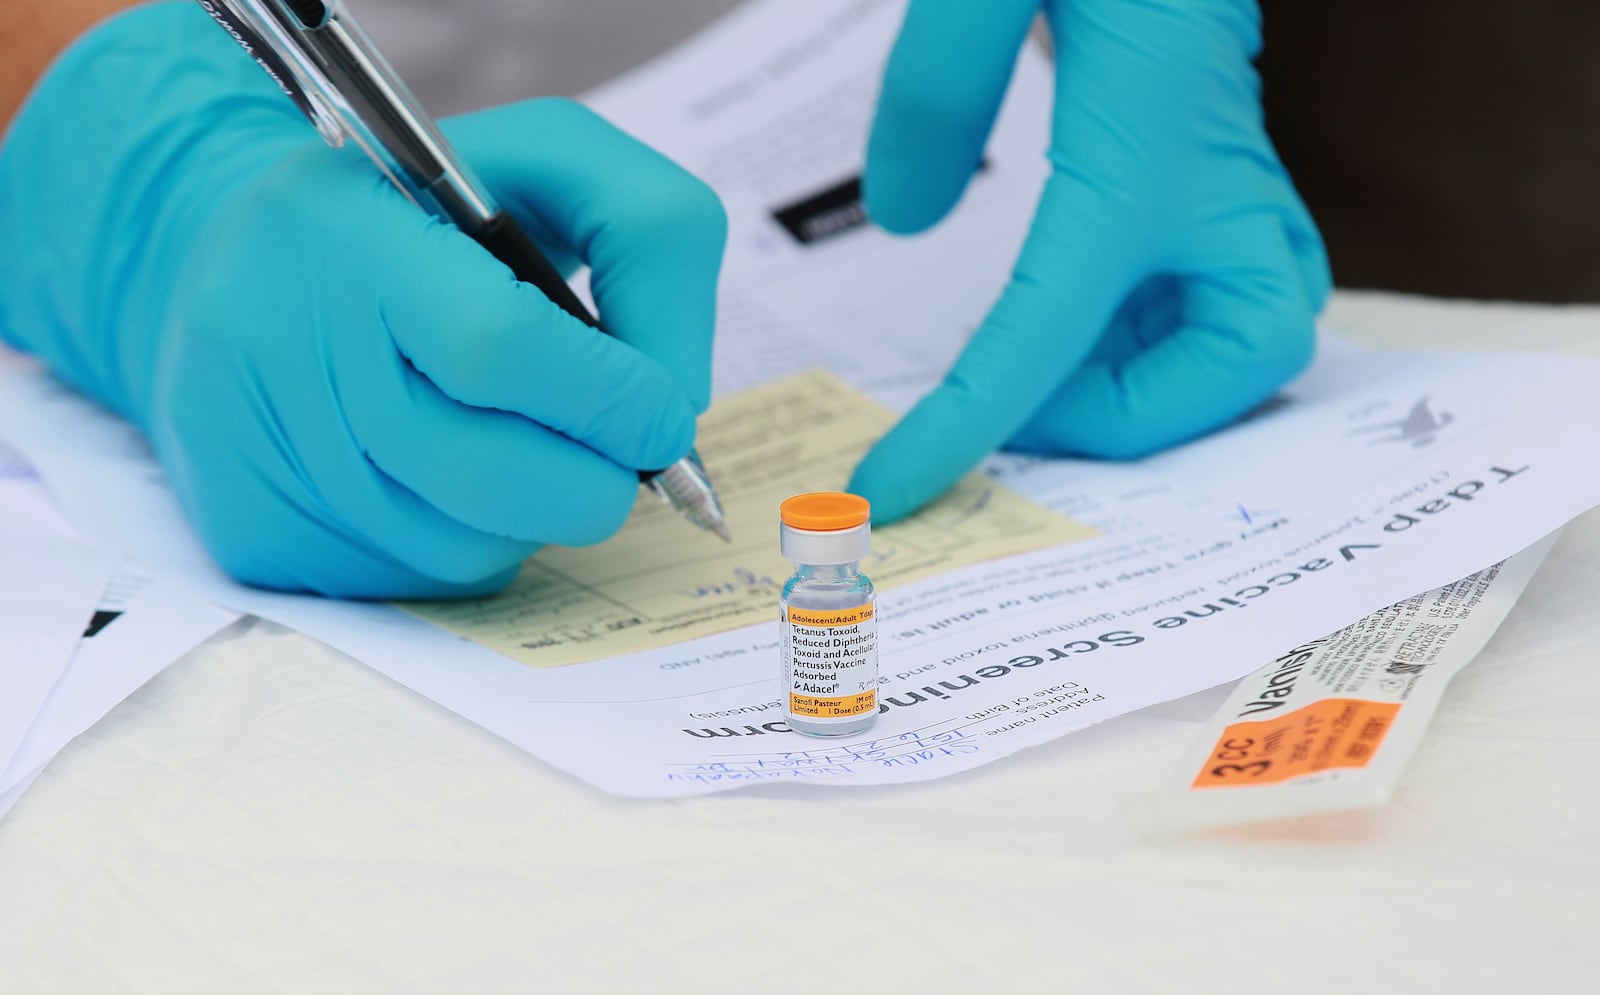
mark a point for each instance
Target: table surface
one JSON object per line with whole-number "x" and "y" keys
{"x": 270, "y": 816}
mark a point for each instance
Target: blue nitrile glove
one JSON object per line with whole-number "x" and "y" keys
{"x": 1172, "y": 275}
{"x": 348, "y": 396}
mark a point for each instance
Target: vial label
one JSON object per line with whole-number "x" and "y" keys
{"x": 830, "y": 661}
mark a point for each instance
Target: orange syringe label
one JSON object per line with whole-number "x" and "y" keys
{"x": 1333, "y": 732}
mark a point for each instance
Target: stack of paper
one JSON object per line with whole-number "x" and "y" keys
{"x": 80, "y": 629}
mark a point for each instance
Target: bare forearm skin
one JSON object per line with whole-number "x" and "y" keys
{"x": 32, "y": 32}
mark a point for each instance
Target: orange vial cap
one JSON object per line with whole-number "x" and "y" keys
{"x": 825, "y": 511}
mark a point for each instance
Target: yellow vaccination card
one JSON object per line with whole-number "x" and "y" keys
{"x": 660, "y": 580}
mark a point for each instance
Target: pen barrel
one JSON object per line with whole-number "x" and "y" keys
{"x": 506, "y": 240}
{"x": 380, "y": 112}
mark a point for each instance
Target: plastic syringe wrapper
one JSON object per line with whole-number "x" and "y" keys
{"x": 1332, "y": 724}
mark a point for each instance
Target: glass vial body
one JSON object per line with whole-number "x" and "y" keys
{"x": 830, "y": 650}
{"x": 828, "y": 620}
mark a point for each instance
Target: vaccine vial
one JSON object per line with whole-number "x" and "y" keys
{"x": 828, "y": 615}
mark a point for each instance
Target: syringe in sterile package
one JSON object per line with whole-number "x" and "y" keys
{"x": 1332, "y": 724}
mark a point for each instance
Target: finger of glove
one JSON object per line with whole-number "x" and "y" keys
{"x": 1073, "y": 270}
{"x": 652, "y": 233}
{"x": 490, "y": 342}
{"x": 310, "y": 554}
{"x": 1306, "y": 241}
{"x": 429, "y": 553}
{"x": 1243, "y": 329}
{"x": 942, "y": 88}
{"x": 333, "y": 525}
{"x": 492, "y": 471}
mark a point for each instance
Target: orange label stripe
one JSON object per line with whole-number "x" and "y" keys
{"x": 814, "y": 707}
{"x": 831, "y": 618}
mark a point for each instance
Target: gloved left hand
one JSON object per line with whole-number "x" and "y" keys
{"x": 1172, "y": 275}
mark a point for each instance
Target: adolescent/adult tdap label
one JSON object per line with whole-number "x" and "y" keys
{"x": 830, "y": 661}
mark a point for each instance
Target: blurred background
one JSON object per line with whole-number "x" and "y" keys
{"x": 1446, "y": 147}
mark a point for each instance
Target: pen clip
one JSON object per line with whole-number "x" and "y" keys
{"x": 265, "y": 38}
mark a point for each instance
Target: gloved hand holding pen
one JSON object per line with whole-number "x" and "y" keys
{"x": 348, "y": 396}
{"x": 1172, "y": 276}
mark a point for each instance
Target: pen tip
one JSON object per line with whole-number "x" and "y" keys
{"x": 721, "y": 529}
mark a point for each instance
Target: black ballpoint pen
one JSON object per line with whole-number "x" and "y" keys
{"x": 322, "y": 58}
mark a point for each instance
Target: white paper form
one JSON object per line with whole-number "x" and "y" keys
{"x": 13, "y": 466}
{"x": 1376, "y": 476}
{"x": 981, "y": 663}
